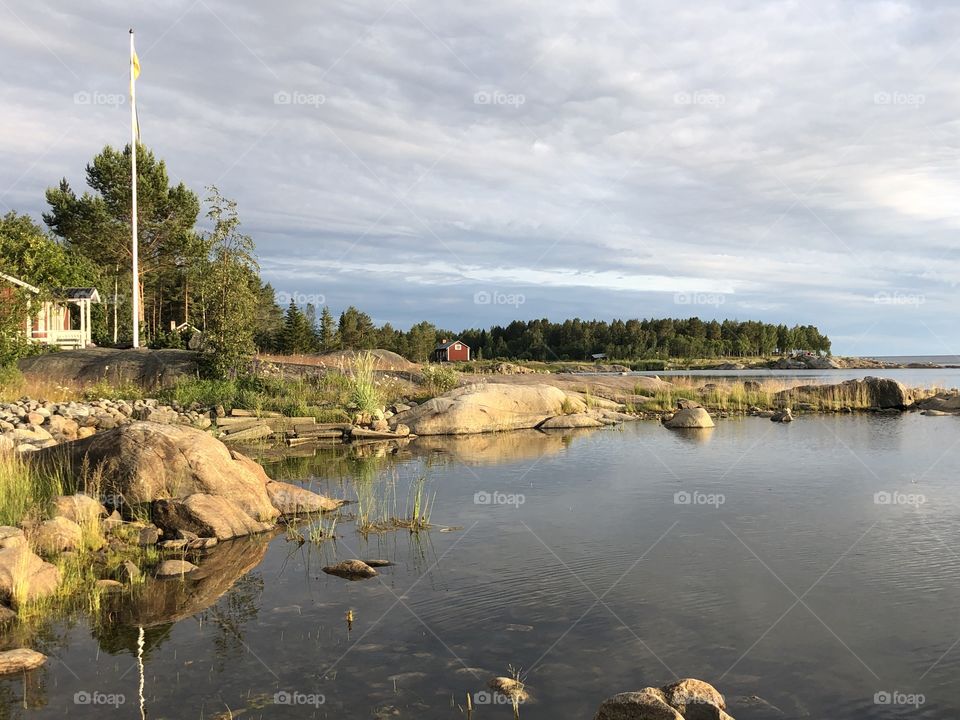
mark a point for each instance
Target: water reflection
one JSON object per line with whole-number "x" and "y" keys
{"x": 694, "y": 436}
{"x": 159, "y": 603}
{"x": 708, "y": 590}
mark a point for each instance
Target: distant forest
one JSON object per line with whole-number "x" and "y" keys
{"x": 577, "y": 340}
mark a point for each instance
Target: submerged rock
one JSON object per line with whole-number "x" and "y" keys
{"x": 782, "y": 416}
{"x": 693, "y": 417}
{"x": 292, "y": 500}
{"x": 20, "y": 660}
{"x": 351, "y": 570}
{"x": 646, "y": 704}
{"x": 510, "y": 688}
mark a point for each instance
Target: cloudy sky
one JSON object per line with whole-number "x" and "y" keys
{"x": 470, "y": 163}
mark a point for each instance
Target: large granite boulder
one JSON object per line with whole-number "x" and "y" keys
{"x": 687, "y": 699}
{"x": 486, "y": 407}
{"x": 690, "y": 417}
{"x": 144, "y": 462}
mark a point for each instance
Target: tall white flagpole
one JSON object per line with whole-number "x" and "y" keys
{"x": 133, "y": 185}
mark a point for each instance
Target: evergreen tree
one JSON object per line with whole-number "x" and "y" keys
{"x": 298, "y": 337}
{"x": 327, "y": 332}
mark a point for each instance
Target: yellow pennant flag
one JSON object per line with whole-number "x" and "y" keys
{"x": 134, "y": 74}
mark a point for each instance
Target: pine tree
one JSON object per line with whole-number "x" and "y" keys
{"x": 328, "y": 331}
{"x": 297, "y": 337}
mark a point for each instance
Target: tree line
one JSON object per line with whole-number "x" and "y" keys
{"x": 208, "y": 280}
{"x": 571, "y": 340}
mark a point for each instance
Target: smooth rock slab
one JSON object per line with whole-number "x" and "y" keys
{"x": 20, "y": 660}
{"x": 563, "y": 422}
{"x": 486, "y": 407}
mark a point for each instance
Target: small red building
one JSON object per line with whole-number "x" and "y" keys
{"x": 451, "y": 351}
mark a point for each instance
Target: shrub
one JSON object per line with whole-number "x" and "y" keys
{"x": 438, "y": 379}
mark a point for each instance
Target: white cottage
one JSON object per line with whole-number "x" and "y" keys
{"x": 50, "y": 321}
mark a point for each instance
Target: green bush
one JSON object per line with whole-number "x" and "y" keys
{"x": 438, "y": 379}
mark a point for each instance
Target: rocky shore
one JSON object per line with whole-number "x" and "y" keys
{"x": 29, "y": 425}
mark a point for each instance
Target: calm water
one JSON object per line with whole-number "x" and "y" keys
{"x": 911, "y": 377}
{"x": 783, "y": 578}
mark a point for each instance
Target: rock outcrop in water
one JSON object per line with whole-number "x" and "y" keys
{"x": 491, "y": 407}
{"x": 687, "y": 699}
{"x": 874, "y": 392}
{"x": 690, "y": 416}
{"x": 943, "y": 403}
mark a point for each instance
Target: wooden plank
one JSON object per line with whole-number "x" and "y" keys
{"x": 240, "y": 427}
{"x": 230, "y": 421}
{"x": 365, "y": 434}
{"x": 254, "y": 433}
{"x": 318, "y": 434}
{"x": 308, "y": 427}
{"x": 238, "y": 412}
